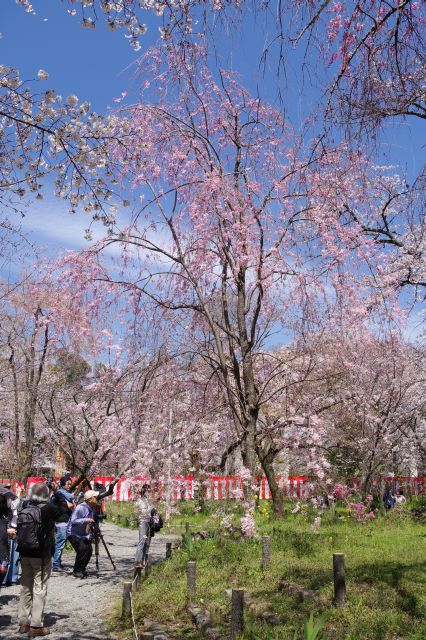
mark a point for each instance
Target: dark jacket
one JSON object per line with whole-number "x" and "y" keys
{"x": 49, "y": 514}
{"x": 4, "y": 540}
{"x": 60, "y": 502}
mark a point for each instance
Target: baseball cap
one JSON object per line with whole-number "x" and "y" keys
{"x": 91, "y": 494}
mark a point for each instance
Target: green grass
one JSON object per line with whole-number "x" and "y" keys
{"x": 117, "y": 512}
{"x": 385, "y": 567}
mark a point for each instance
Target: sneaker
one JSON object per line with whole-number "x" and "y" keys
{"x": 38, "y": 631}
{"x": 58, "y": 568}
{"x": 78, "y": 574}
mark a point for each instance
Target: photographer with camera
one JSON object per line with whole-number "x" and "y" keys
{"x": 79, "y": 532}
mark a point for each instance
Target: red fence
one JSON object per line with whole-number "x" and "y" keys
{"x": 232, "y": 487}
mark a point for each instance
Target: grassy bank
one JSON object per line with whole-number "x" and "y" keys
{"x": 385, "y": 565}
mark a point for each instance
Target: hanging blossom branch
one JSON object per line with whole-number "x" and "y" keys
{"x": 177, "y": 15}
{"x": 376, "y": 52}
{"x": 374, "y": 48}
{"x": 43, "y": 135}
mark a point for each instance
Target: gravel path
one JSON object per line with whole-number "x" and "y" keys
{"x": 75, "y": 608}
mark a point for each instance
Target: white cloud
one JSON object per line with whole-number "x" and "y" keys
{"x": 50, "y": 224}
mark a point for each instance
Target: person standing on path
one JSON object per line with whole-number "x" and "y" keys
{"x": 144, "y": 507}
{"x": 64, "y": 501}
{"x": 13, "y": 570}
{"x": 79, "y": 532}
{"x": 36, "y": 542}
{"x": 6, "y": 532}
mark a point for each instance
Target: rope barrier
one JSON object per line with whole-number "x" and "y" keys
{"x": 133, "y": 616}
{"x": 134, "y": 579}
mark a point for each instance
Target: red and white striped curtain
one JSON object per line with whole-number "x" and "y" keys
{"x": 229, "y": 487}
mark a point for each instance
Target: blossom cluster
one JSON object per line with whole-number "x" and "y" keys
{"x": 248, "y": 525}
{"x": 362, "y": 511}
{"x": 43, "y": 134}
{"x": 128, "y": 14}
{"x": 341, "y": 492}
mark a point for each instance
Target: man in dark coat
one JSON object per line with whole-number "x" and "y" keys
{"x": 36, "y": 565}
{"x": 5, "y": 533}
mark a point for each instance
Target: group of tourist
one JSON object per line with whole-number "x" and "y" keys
{"x": 35, "y": 529}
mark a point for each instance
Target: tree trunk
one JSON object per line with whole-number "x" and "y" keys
{"x": 248, "y": 454}
{"x": 276, "y": 493}
{"x": 365, "y": 484}
{"x": 199, "y": 477}
{"x": 266, "y": 460}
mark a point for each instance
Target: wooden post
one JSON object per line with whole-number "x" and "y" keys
{"x": 126, "y": 608}
{"x": 186, "y": 527}
{"x": 339, "y": 579}
{"x": 168, "y": 550}
{"x": 237, "y": 613}
{"x": 266, "y": 551}
{"x": 148, "y": 565}
{"x": 136, "y": 584}
{"x": 137, "y": 579}
{"x": 191, "y": 577}
{"x": 126, "y": 521}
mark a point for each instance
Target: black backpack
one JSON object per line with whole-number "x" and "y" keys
{"x": 155, "y": 522}
{"x": 29, "y": 532}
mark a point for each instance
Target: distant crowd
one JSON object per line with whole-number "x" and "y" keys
{"x": 34, "y": 530}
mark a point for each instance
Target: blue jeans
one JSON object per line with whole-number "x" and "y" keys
{"x": 13, "y": 569}
{"x": 144, "y": 542}
{"x": 61, "y": 538}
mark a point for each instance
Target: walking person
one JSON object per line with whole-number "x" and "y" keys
{"x": 144, "y": 506}
{"x": 6, "y": 532}
{"x": 63, "y": 499}
{"x": 36, "y": 542}
{"x": 13, "y": 570}
{"x": 388, "y": 498}
{"x": 79, "y": 532}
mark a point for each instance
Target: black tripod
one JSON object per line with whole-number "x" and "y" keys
{"x": 98, "y": 537}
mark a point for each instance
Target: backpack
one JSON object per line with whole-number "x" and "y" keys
{"x": 155, "y": 522}
{"x": 29, "y": 532}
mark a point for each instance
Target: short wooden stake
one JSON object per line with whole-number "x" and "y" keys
{"x": 191, "y": 578}
{"x": 168, "y": 550}
{"x": 186, "y": 527}
{"x": 126, "y": 521}
{"x": 237, "y": 613}
{"x": 339, "y": 579}
{"x": 148, "y": 565}
{"x": 266, "y": 551}
{"x": 136, "y": 584}
{"x": 137, "y": 579}
{"x": 126, "y": 608}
